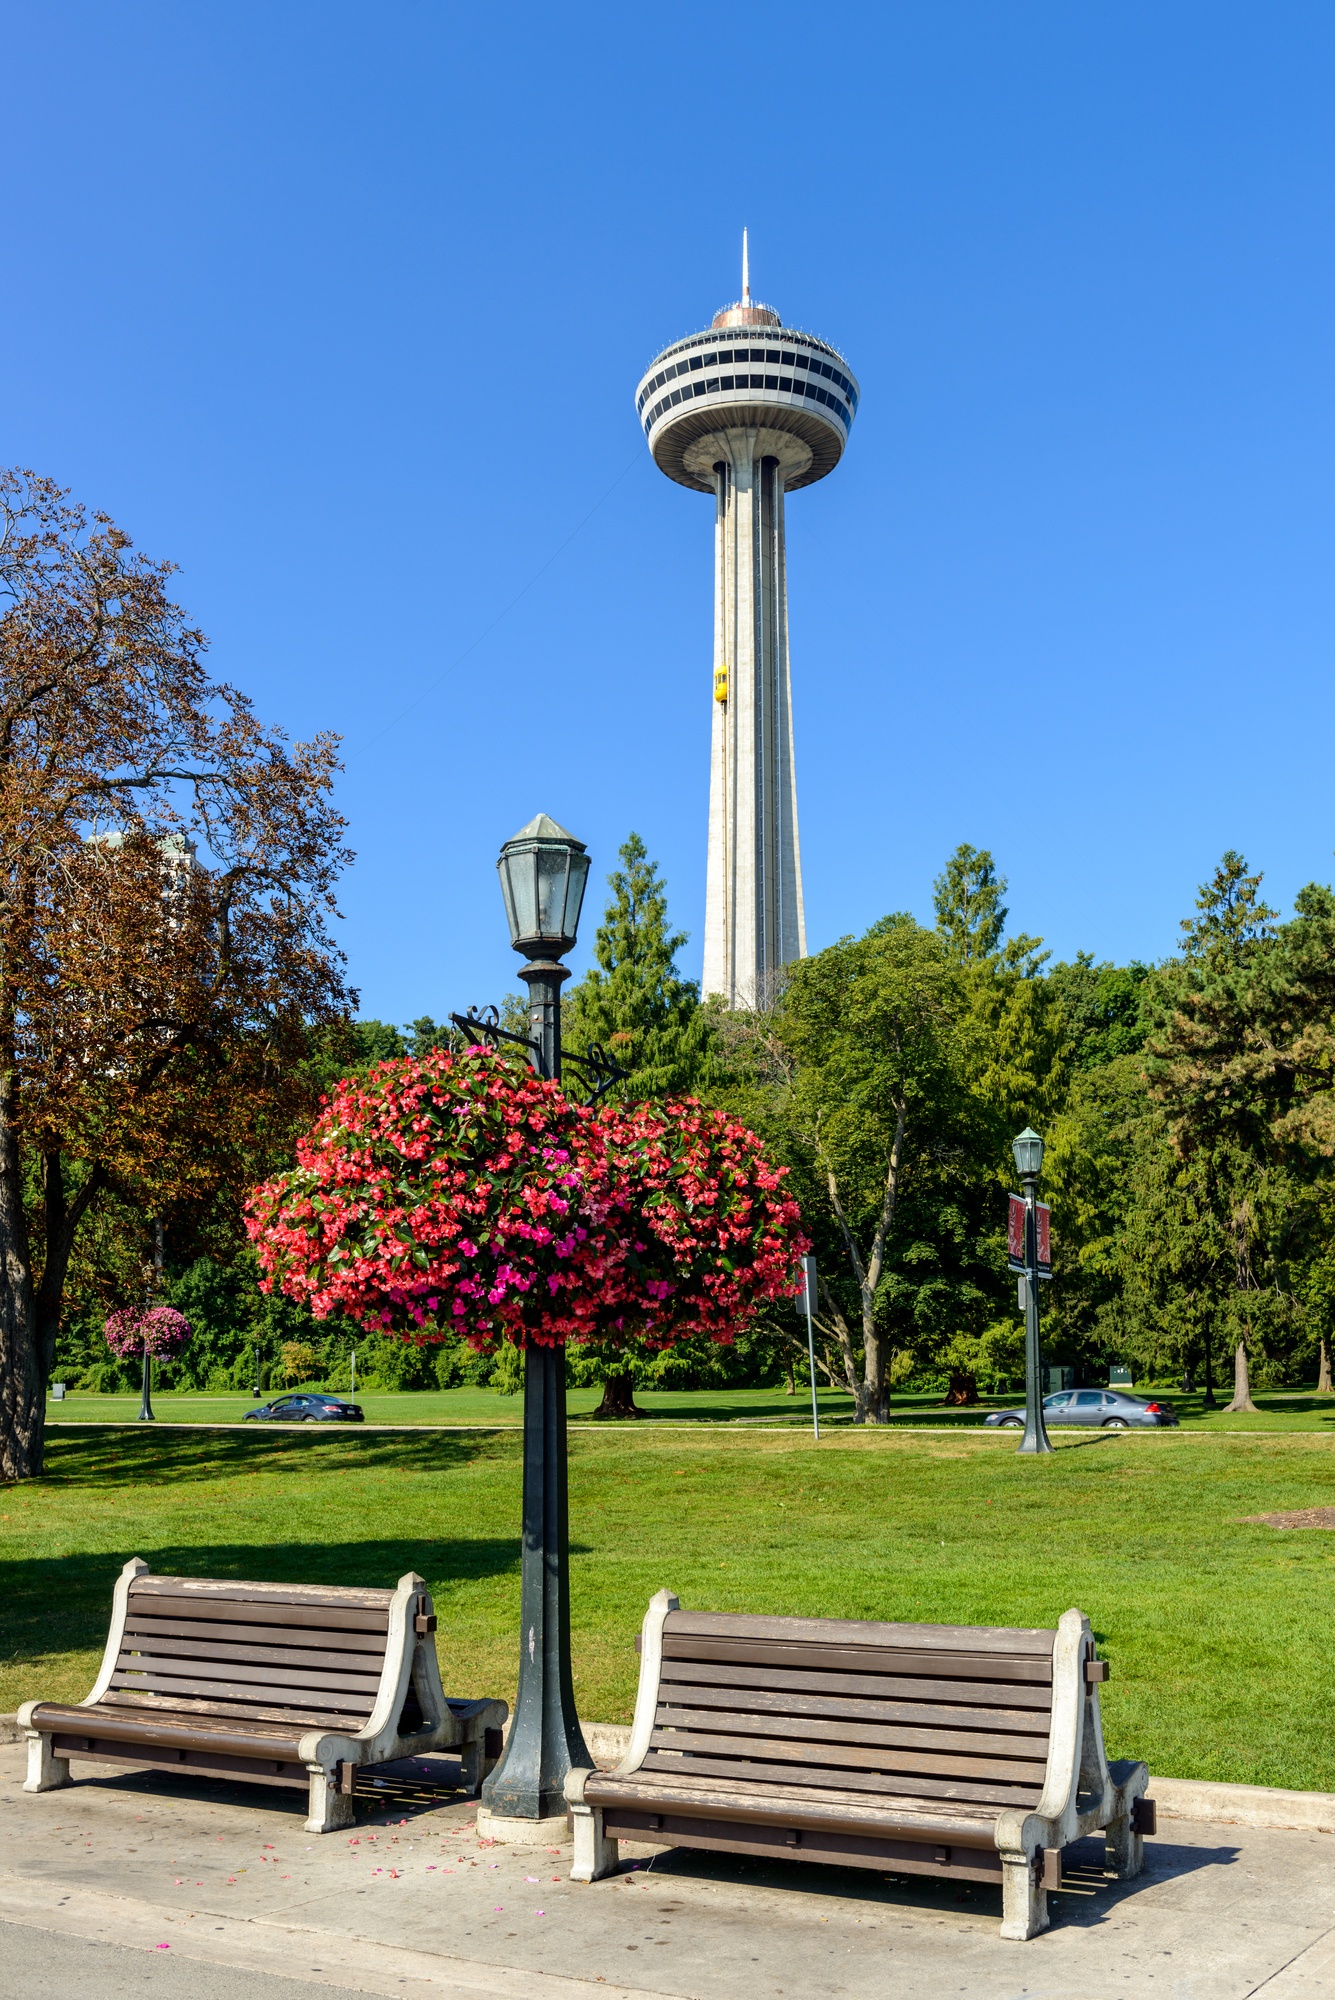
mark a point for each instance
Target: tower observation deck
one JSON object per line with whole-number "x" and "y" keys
{"x": 749, "y": 411}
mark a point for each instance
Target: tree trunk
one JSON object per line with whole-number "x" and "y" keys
{"x": 1324, "y": 1385}
{"x": 619, "y": 1397}
{"x": 22, "y": 1383}
{"x": 963, "y": 1388}
{"x": 1242, "y": 1384}
{"x": 790, "y": 1387}
{"x": 1208, "y": 1401}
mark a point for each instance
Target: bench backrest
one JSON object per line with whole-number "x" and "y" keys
{"x": 292, "y": 1653}
{"x": 942, "y": 1712}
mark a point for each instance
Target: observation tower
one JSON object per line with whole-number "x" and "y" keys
{"x": 749, "y": 411}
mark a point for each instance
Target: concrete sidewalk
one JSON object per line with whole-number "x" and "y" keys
{"x": 410, "y": 1903}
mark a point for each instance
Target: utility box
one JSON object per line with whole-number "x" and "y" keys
{"x": 1120, "y": 1378}
{"x": 1059, "y": 1377}
{"x": 57, "y": 1392}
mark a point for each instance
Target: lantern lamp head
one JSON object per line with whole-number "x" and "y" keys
{"x": 543, "y": 870}
{"x": 1028, "y": 1151}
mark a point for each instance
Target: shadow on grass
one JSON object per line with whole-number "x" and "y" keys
{"x": 62, "y": 1604}
{"x": 131, "y": 1456}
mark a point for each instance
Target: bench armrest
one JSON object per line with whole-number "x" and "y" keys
{"x": 576, "y": 1779}
{"x": 646, "y": 1697}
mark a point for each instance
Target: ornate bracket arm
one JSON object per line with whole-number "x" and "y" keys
{"x": 600, "y": 1072}
{"x": 485, "y": 1027}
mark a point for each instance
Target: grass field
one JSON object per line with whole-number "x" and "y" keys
{"x": 1281, "y": 1409}
{"x": 1218, "y": 1630}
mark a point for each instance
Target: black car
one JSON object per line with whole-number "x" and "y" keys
{"x": 312, "y": 1408}
{"x": 1110, "y": 1409}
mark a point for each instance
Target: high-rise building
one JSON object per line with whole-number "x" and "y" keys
{"x": 749, "y": 411}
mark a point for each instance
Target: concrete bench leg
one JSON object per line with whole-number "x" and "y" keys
{"x": 1125, "y": 1848}
{"x": 46, "y": 1771}
{"x": 1024, "y": 1900}
{"x": 329, "y": 1808}
{"x": 595, "y": 1854}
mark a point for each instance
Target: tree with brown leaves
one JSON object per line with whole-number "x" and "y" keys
{"x": 166, "y": 882}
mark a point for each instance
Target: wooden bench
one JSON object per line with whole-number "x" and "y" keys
{"x": 277, "y": 1683}
{"x": 973, "y": 1752}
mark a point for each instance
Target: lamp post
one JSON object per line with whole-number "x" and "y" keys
{"x": 543, "y": 871}
{"x": 155, "y": 1288}
{"x": 1028, "y": 1151}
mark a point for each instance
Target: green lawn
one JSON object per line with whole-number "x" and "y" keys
{"x": 1218, "y": 1631}
{"x": 1281, "y": 1409}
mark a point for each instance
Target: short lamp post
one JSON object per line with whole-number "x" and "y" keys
{"x": 1028, "y": 1151}
{"x": 543, "y": 872}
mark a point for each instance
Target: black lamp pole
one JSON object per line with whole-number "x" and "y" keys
{"x": 1028, "y": 1151}
{"x": 543, "y": 871}
{"x": 146, "y": 1400}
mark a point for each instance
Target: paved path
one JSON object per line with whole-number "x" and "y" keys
{"x": 96, "y": 1880}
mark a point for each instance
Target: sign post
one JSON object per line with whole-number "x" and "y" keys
{"x": 806, "y": 1302}
{"x": 1029, "y": 1253}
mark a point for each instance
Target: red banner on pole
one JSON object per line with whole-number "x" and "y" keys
{"x": 1016, "y": 1248}
{"x": 1015, "y": 1216}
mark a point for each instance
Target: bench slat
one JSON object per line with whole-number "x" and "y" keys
{"x": 130, "y": 1726}
{"x": 819, "y": 1729}
{"x": 337, "y": 1597}
{"x": 883, "y": 1686}
{"x": 168, "y": 1646}
{"x": 977, "y": 1639}
{"x": 158, "y": 1703}
{"x": 333, "y": 1618}
{"x": 859, "y": 1659}
{"x": 264, "y": 1674}
{"x": 851, "y": 1803}
{"x": 765, "y": 1701}
{"x": 952, "y": 1791}
{"x": 240, "y": 1691}
{"x": 798, "y": 1756}
{"x": 372, "y": 1644}
{"x": 171, "y": 1714}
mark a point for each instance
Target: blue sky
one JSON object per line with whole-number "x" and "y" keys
{"x": 343, "y": 309}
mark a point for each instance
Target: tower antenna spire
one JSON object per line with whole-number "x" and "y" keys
{"x": 746, "y": 273}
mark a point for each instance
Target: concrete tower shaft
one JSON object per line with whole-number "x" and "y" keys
{"x": 749, "y": 411}
{"x": 754, "y": 920}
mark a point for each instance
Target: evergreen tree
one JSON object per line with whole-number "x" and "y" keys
{"x": 1202, "y": 1070}
{"x": 635, "y": 1004}
{"x": 970, "y": 914}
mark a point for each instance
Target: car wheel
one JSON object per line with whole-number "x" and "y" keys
{"x": 1115, "y": 1424}
{"x": 1010, "y": 1424}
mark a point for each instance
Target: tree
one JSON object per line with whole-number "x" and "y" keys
{"x": 872, "y": 1028}
{"x": 970, "y": 914}
{"x": 635, "y": 1002}
{"x": 1205, "y": 1069}
{"x": 166, "y": 877}
{"x": 637, "y": 1007}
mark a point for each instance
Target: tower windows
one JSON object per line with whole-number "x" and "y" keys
{"x": 784, "y": 385}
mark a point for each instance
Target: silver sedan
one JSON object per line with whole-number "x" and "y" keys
{"x": 1110, "y": 1409}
